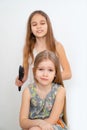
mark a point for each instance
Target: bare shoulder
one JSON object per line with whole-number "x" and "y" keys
{"x": 26, "y": 92}
{"x": 59, "y": 46}
{"x": 62, "y": 91}
{"x": 61, "y": 52}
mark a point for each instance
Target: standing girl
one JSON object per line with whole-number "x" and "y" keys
{"x": 39, "y": 37}
{"x": 43, "y": 101}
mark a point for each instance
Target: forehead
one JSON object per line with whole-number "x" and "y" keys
{"x": 38, "y": 17}
{"x": 46, "y": 63}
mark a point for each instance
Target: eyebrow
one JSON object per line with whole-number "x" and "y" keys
{"x": 49, "y": 67}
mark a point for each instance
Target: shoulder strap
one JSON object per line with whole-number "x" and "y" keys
{"x": 32, "y": 89}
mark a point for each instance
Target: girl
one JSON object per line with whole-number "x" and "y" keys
{"x": 43, "y": 101}
{"x": 39, "y": 37}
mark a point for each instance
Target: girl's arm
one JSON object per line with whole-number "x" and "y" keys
{"x": 58, "y": 106}
{"x": 66, "y": 70}
{"x": 24, "y": 110}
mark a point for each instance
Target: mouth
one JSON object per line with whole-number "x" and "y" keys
{"x": 44, "y": 79}
{"x": 39, "y": 31}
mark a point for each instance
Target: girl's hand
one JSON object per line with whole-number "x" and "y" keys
{"x": 44, "y": 125}
{"x": 18, "y": 82}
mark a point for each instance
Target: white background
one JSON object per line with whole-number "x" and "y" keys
{"x": 69, "y": 21}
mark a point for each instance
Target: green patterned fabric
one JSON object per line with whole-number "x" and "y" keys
{"x": 41, "y": 108}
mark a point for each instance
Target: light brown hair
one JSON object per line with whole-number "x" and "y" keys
{"x": 31, "y": 39}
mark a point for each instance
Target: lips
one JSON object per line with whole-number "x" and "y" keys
{"x": 39, "y": 31}
{"x": 44, "y": 79}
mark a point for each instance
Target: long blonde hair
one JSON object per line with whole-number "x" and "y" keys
{"x": 31, "y": 39}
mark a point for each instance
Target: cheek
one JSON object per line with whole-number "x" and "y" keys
{"x": 37, "y": 74}
{"x": 53, "y": 76}
{"x": 46, "y": 28}
{"x": 32, "y": 29}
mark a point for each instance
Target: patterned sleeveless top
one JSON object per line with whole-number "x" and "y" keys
{"x": 41, "y": 108}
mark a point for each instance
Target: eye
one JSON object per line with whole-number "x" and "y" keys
{"x": 42, "y": 23}
{"x": 51, "y": 70}
{"x": 34, "y": 24}
{"x": 40, "y": 69}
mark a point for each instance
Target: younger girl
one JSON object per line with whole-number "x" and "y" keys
{"x": 43, "y": 101}
{"x": 39, "y": 37}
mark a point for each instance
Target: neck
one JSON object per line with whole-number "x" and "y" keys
{"x": 40, "y": 44}
{"x": 41, "y": 41}
{"x": 42, "y": 91}
{"x": 43, "y": 88}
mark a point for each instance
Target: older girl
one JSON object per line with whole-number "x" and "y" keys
{"x": 39, "y": 37}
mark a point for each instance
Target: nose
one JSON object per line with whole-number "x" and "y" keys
{"x": 38, "y": 25}
{"x": 45, "y": 73}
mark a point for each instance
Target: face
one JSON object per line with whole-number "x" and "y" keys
{"x": 39, "y": 25}
{"x": 45, "y": 72}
